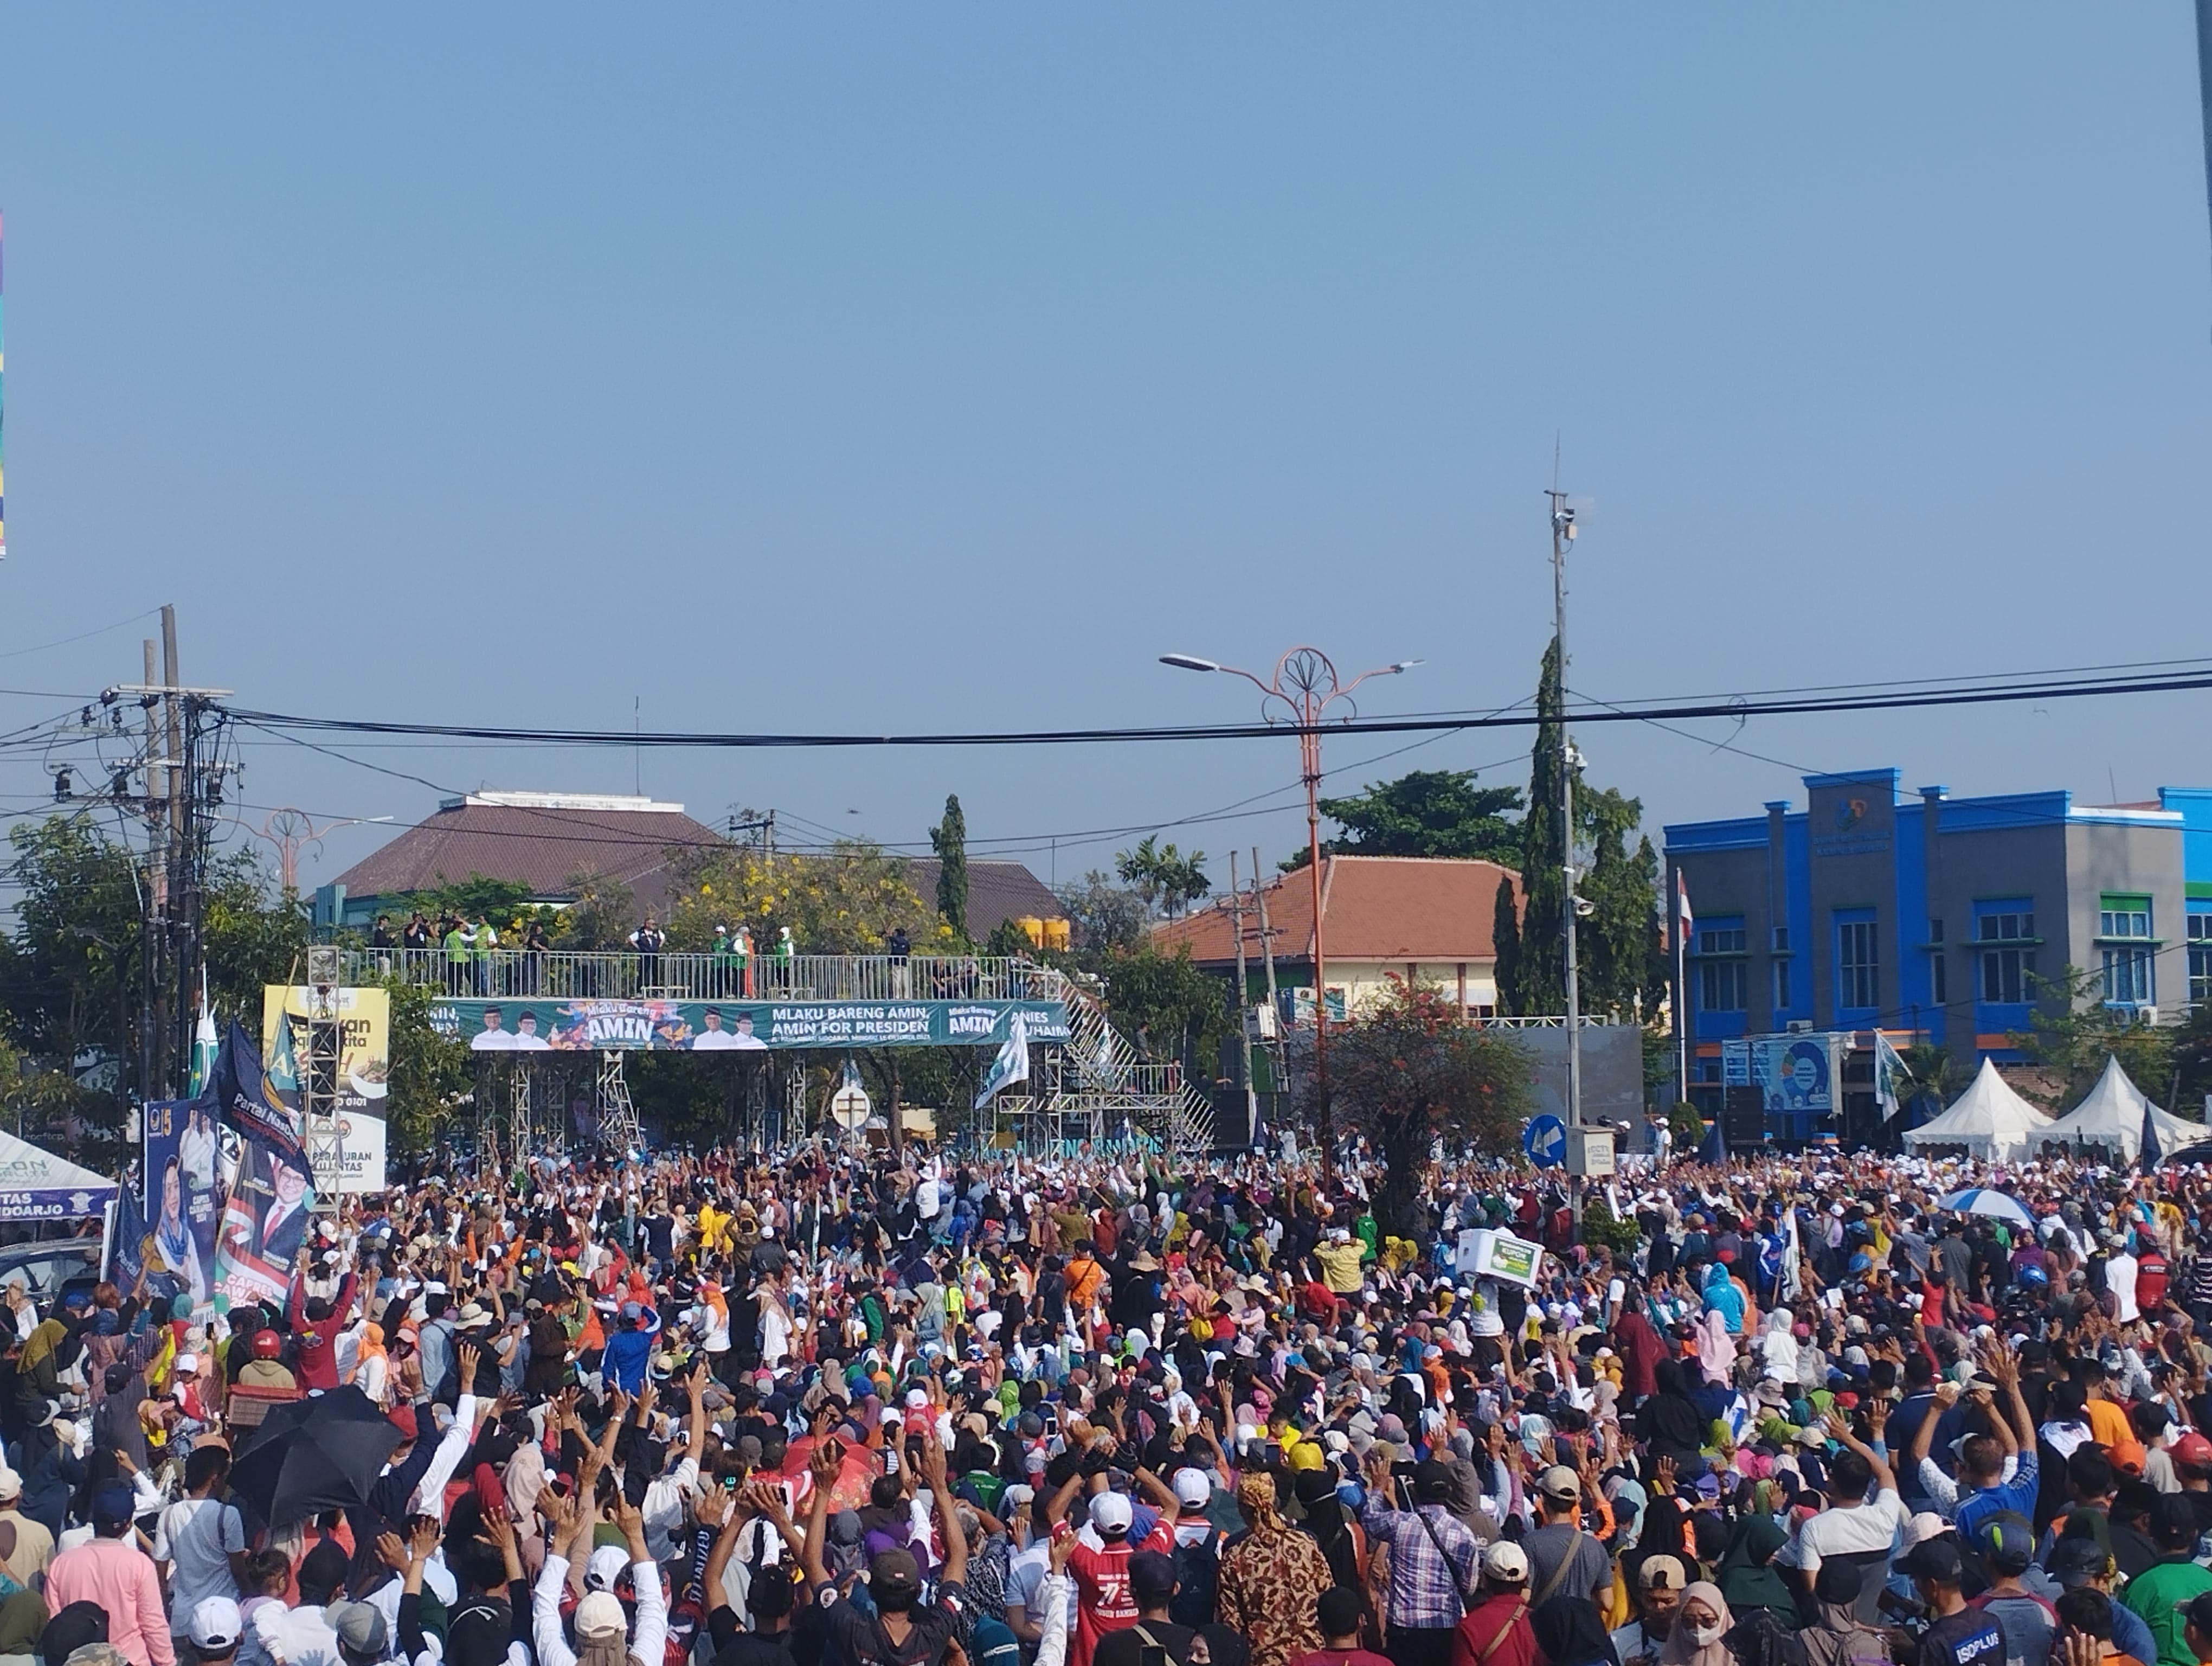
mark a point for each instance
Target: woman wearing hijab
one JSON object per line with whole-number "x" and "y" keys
{"x": 1331, "y": 1526}
{"x": 1701, "y": 1624}
{"x": 1671, "y": 1424}
{"x": 371, "y": 1366}
{"x": 1571, "y": 1631}
{"x": 1747, "y": 1578}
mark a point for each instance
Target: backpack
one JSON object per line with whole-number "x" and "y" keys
{"x": 1198, "y": 1581}
{"x": 1761, "y": 1638}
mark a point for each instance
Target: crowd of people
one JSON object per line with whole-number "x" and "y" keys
{"x": 828, "y": 1408}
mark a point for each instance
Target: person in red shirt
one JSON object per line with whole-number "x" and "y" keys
{"x": 316, "y": 1324}
{"x": 1495, "y": 1632}
{"x": 1341, "y": 1611}
{"x": 1104, "y": 1602}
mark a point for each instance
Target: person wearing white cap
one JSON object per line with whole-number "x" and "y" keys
{"x": 213, "y": 1629}
{"x": 1496, "y": 1630}
{"x": 600, "y": 1623}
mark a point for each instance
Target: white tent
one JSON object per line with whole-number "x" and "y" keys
{"x": 1990, "y": 1119}
{"x": 37, "y": 1185}
{"x": 2113, "y": 1116}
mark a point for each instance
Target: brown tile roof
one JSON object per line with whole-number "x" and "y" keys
{"x": 536, "y": 846}
{"x": 544, "y": 847}
{"x": 1377, "y": 908}
{"x": 997, "y": 890}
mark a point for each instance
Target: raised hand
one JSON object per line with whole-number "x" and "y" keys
{"x": 392, "y": 1551}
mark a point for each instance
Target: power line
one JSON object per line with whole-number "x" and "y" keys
{"x": 1985, "y": 693}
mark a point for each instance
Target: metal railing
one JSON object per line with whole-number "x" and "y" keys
{"x": 566, "y": 975}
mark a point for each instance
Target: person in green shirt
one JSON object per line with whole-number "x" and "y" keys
{"x": 485, "y": 945}
{"x": 2161, "y": 1591}
{"x": 456, "y": 942}
{"x": 722, "y": 965}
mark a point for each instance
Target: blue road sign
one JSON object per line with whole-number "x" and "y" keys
{"x": 1544, "y": 1140}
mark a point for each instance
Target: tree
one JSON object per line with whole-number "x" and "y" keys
{"x": 1103, "y": 917}
{"x": 601, "y": 917}
{"x": 428, "y": 1073}
{"x": 848, "y": 901}
{"x": 948, "y": 839}
{"x": 1167, "y": 881}
{"x": 1426, "y": 813}
{"x": 1616, "y": 942}
{"x": 500, "y": 900}
{"x": 1410, "y": 1069}
{"x": 1540, "y": 984}
{"x": 2072, "y": 1030}
{"x": 1165, "y": 1003}
{"x": 1505, "y": 943}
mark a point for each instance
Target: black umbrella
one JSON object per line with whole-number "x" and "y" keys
{"x": 311, "y": 1455}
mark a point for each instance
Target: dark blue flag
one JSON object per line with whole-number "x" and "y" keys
{"x": 126, "y": 1252}
{"x": 1714, "y": 1148}
{"x": 245, "y": 1097}
{"x": 2150, "y": 1156}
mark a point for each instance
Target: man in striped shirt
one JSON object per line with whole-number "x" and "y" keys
{"x": 1433, "y": 1557}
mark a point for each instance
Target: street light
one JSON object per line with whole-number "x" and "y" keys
{"x": 291, "y": 831}
{"x": 1303, "y": 686}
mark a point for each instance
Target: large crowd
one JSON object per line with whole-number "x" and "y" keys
{"x": 847, "y": 1410}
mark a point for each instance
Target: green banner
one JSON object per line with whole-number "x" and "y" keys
{"x": 521, "y": 1024}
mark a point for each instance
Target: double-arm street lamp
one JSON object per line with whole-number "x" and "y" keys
{"x": 1296, "y": 697}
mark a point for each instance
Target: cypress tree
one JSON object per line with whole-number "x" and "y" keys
{"x": 1505, "y": 943}
{"x": 1540, "y": 977}
{"x": 948, "y": 839}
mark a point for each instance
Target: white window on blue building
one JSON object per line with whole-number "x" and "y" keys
{"x": 2200, "y": 956}
{"x": 1723, "y": 983}
{"x": 2004, "y": 951}
{"x": 2128, "y": 950}
{"x": 1858, "y": 962}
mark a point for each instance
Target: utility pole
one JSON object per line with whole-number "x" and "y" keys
{"x": 154, "y": 901}
{"x": 1563, "y": 535}
{"x": 1268, "y": 959}
{"x": 1244, "y": 996}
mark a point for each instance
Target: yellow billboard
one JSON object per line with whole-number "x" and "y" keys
{"x": 364, "y": 1061}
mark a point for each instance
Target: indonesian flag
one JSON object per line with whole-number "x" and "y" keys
{"x": 1682, "y": 917}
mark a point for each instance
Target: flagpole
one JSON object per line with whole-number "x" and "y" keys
{"x": 1681, "y": 997}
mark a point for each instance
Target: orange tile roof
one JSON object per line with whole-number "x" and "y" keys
{"x": 1375, "y": 908}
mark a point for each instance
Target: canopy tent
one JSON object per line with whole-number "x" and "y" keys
{"x": 1989, "y": 1119}
{"x": 2113, "y": 1116}
{"x": 37, "y": 1185}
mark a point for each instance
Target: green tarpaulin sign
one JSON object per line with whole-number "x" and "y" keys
{"x": 521, "y": 1024}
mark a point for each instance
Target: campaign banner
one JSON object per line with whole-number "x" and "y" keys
{"x": 364, "y": 1018}
{"x": 523, "y": 1025}
{"x": 184, "y": 1200}
{"x": 265, "y": 1223}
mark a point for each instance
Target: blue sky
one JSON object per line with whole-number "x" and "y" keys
{"x": 890, "y": 368}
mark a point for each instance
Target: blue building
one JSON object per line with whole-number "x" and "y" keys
{"x": 1950, "y": 920}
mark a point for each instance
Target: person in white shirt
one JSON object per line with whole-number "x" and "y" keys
{"x": 200, "y": 1542}
{"x": 1856, "y": 1529}
{"x": 2120, "y": 1270}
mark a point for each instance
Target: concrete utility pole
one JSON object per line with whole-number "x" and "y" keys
{"x": 1268, "y": 959}
{"x": 1563, "y": 534}
{"x": 1298, "y": 695}
{"x": 1244, "y": 996}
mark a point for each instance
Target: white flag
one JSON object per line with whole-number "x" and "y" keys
{"x": 1012, "y": 1064}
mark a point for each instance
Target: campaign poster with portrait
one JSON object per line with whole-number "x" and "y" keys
{"x": 266, "y": 1222}
{"x": 184, "y": 1200}
{"x": 364, "y": 1017}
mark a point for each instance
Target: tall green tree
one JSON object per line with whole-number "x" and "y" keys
{"x": 1506, "y": 945}
{"x": 1425, "y": 813}
{"x": 1540, "y": 983}
{"x": 1165, "y": 1003}
{"x": 1168, "y": 881}
{"x": 1617, "y": 947}
{"x": 948, "y": 839}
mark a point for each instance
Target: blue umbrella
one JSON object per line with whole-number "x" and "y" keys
{"x": 1984, "y": 1201}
